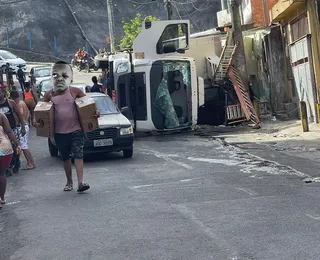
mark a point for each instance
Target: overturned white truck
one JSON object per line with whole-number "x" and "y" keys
{"x": 153, "y": 85}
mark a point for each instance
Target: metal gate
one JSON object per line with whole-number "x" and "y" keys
{"x": 301, "y": 61}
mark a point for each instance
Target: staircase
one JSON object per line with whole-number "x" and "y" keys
{"x": 224, "y": 69}
{"x": 224, "y": 62}
{"x": 243, "y": 96}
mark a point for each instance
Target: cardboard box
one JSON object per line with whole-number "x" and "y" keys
{"x": 86, "y": 109}
{"x": 44, "y": 114}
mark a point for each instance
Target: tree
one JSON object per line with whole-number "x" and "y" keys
{"x": 132, "y": 28}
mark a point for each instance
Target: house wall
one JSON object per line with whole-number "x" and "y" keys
{"x": 314, "y": 28}
{"x": 276, "y": 65}
{"x": 258, "y": 11}
{"x": 310, "y": 8}
{"x": 210, "y": 46}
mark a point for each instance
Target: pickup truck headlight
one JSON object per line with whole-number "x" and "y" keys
{"x": 126, "y": 131}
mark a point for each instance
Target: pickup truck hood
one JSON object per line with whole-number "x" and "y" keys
{"x": 113, "y": 120}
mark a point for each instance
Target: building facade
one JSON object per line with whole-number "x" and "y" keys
{"x": 299, "y": 21}
{"x": 253, "y": 12}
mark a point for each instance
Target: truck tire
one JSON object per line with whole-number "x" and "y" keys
{"x": 52, "y": 149}
{"x": 128, "y": 153}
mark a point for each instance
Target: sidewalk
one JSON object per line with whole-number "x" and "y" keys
{"x": 286, "y": 132}
{"x": 279, "y": 141}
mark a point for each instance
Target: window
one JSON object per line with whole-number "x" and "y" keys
{"x": 299, "y": 27}
{"x": 105, "y": 105}
{"x": 173, "y": 39}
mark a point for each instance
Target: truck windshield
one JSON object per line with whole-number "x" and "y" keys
{"x": 170, "y": 85}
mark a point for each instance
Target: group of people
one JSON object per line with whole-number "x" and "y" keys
{"x": 14, "y": 134}
{"x": 68, "y": 134}
{"x": 8, "y": 72}
{"x": 100, "y": 84}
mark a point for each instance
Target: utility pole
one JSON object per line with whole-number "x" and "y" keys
{"x": 240, "y": 59}
{"x": 111, "y": 24}
{"x": 168, "y": 7}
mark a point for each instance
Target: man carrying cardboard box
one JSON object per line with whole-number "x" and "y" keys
{"x": 68, "y": 136}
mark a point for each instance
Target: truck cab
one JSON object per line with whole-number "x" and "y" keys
{"x": 157, "y": 89}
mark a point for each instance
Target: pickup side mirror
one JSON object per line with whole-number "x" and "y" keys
{"x": 127, "y": 112}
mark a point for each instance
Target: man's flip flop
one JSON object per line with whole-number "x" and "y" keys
{"x": 2, "y": 202}
{"x": 83, "y": 187}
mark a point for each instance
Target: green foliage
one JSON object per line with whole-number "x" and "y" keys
{"x": 132, "y": 28}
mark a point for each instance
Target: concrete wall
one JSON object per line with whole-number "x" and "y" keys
{"x": 258, "y": 11}
{"x": 201, "y": 48}
{"x": 314, "y": 28}
{"x": 276, "y": 67}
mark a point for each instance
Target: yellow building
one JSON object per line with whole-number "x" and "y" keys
{"x": 299, "y": 20}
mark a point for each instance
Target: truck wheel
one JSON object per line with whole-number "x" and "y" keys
{"x": 128, "y": 153}
{"x": 52, "y": 149}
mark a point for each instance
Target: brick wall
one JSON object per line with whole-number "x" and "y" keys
{"x": 257, "y": 11}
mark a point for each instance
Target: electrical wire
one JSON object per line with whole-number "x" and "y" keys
{"x": 140, "y": 3}
{"x": 200, "y": 10}
{"x": 138, "y": 8}
{"x": 191, "y": 18}
{"x": 177, "y": 11}
{"x": 183, "y": 3}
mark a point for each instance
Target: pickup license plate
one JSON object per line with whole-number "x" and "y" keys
{"x": 102, "y": 142}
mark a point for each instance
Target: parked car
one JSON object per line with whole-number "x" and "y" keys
{"x": 115, "y": 131}
{"x": 43, "y": 87}
{"x": 46, "y": 85}
{"x": 13, "y": 60}
{"x": 83, "y": 86}
{"x": 41, "y": 73}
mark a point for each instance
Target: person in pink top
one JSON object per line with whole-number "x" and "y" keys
{"x": 68, "y": 136}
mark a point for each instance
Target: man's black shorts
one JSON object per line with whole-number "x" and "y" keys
{"x": 70, "y": 144}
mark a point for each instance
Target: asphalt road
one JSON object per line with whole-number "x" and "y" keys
{"x": 179, "y": 197}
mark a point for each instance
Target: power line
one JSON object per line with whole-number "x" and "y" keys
{"x": 141, "y": 3}
{"x": 200, "y": 7}
{"x": 138, "y": 8}
{"x": 177, "y": 11}
{"x": 191, "y": 19}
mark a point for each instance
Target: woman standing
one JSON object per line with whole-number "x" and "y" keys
{"x": 30, "y": 98}
{"x": 6, "y": 152}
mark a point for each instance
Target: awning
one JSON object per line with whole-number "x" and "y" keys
{"x": 284, "y": 8}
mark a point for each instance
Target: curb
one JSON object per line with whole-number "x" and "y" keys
{"x": 39, "y": 63}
